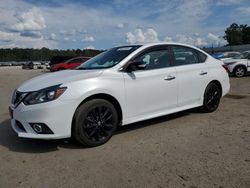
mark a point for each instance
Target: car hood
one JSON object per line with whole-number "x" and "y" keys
{"x": 62, "y": 77}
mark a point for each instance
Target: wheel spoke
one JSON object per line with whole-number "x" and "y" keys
{"x": 105, "y": 113}
{"x": 92, "y": 133}
{"x": 102, "y": 130}
{"x": 109, "y": 126}
{"x": 89, "y": 119}
{"x": 108, "y": 118}
{"x": 99, "y": 109}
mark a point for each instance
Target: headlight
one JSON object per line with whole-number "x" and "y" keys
{"x": 44, "y": 95}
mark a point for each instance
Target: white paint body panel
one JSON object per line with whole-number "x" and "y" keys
{"x": 141, "y": 94}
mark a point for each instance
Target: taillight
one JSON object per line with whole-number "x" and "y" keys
{"x": 225, "y": 67}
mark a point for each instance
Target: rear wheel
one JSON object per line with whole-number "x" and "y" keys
{"x": 239, "y": 71}
{"x": 95, "y": 122}
{"x": 212, "y": 98}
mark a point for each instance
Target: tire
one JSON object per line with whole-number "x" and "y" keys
{"x": 212, "y": 98}
{"x": 95, "y": 122}
{"x": 239, "y": 71}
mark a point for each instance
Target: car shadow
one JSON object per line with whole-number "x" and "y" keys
{"x": 152, "y": 122}
{"x": 9, "y": 139}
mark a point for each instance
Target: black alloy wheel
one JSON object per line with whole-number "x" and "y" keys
{"x": 212, "y": 98}
{"x": 95, "y": 122}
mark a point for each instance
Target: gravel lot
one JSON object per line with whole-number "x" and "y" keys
{"x": 187, "y": 149}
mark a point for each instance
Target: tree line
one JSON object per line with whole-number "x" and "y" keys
{"x": 237, "y": 34}
{"x": 43, "y": 54}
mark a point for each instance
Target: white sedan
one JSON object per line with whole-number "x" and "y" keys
{"x": 120, "y": 86}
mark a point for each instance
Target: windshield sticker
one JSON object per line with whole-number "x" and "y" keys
{"x": 124, "y": 49}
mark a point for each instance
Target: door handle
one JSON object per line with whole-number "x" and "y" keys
{"x": 203, "y": 73}
{"x": 168, "y": 78}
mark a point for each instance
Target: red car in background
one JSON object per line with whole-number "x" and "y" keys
{"x": 69, "y": 64}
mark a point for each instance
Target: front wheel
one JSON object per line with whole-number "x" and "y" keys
{"x": 95, "y": 122}
{"x": 212, "y": 98}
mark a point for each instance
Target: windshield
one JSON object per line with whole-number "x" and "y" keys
{"x": 108, "y": 58}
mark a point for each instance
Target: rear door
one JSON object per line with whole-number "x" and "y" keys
{"x": 192, "y": 74}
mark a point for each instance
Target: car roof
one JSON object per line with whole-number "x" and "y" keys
{"x": 161, "y": 43}
{"x": 157, "y": 43}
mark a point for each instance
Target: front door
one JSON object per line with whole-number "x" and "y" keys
{"x": 153, "y": 90}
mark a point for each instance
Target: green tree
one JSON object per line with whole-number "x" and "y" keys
{"x": 43, "y": 54}
{"x": 233, "y": 34}
{"x": 237, "y": 34}
{"x": 246, "y": 34}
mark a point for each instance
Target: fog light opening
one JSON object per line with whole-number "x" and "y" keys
{"x": 38, "y": 128}
{"x": 41, "y": 128}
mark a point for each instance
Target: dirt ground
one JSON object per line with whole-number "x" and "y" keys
{"x": 187, "y": 149}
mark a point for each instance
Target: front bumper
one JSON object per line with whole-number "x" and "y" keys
{"x": 57, "y": 115}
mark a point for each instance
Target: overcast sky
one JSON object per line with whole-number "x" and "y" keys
{"x": 71, "y": 24}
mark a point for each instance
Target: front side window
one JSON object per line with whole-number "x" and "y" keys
{"x": 108, "y": 58}
{"x": 184, "y": 56}
{"x": 154, "y": 59}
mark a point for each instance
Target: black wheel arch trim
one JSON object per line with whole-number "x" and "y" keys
{"x": 104, "y": 96}
{"x": 240, "y": 65}
{"x": 218, "y": 84}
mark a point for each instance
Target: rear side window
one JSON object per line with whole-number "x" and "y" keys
{"x": 202, "y": 56}
{"x": 185, "y": 56}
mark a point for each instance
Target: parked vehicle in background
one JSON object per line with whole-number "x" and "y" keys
{"x": 69, "y": 64}
{"x": 120, "y": 86}
{"x": 37, "y": 65}
{"x": 28, "y": 65}
{"x": 246, "y": 54}
{"x": 238, "y": 66}
{"x": 6, "y": 64}
{"x": 226, "y": 55}
{"x": 59, "y": 59}
{"x": 217, "y": 55}
{"x": 32, "y": 65}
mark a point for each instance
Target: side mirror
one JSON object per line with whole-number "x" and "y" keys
{"x": 135, "y": 65}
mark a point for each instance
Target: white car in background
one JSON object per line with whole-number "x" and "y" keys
{"x": 120, "y": 86}
{"x": 238, "y": 65}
